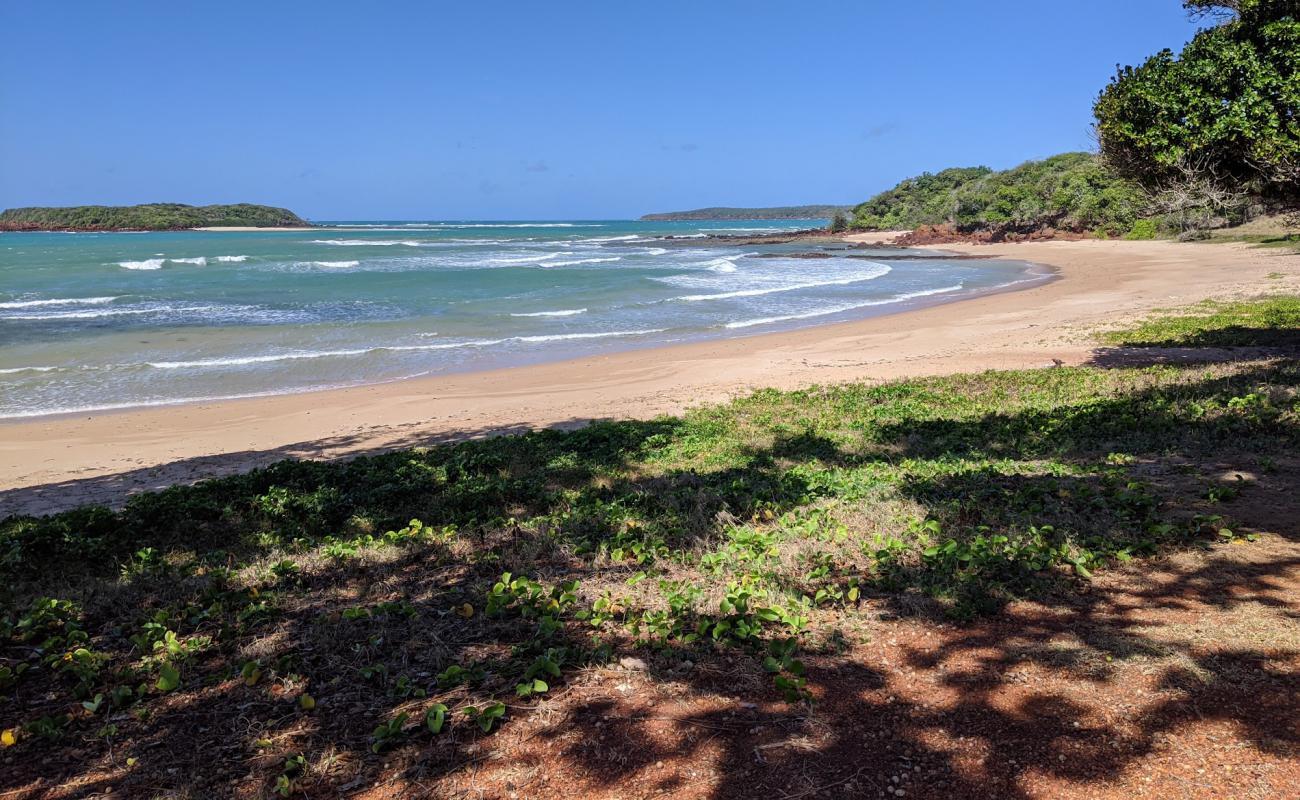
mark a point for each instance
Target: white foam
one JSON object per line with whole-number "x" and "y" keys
{"x": 151, "y": 263}
{"x": 629, "y": 238}
{"x": 578, "y": 261}
{"x": 881, "y": 270}
{"x": 560, "y": 336}
{"x": 56, "y": 315}
{"x": 821, "y": 312}
{"x": 14, "y": 370}
{"x": 719, "y": 265}
{"x": 58, "y": 301}
{"x": 521, "y": 259}
{"x": 200, "y": 261}
{"x": 329, "y": 264}
{"x": 368, "y": 242}
{"x": 239, "y": 361}
{"x": 232, "y": 259}
{"x": 568, "y": 312}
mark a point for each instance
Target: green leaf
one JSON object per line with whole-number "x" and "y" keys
{"x": 435, "y": 718}
{"x": 168, "y": 678}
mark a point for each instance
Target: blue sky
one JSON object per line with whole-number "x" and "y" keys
{"x": 401, "y": 109}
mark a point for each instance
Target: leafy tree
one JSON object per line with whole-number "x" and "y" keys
{"x": 1226, "y": 110}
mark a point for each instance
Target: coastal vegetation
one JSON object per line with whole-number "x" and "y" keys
{"x": 1072, "y": 192}
{"x": 1188, "y": 143}
{"x": 321, "y": 624}
{"x": 780, "y": 212}
{"x": 147, "y": 217}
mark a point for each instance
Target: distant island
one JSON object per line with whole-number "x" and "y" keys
{"x": 780, "y": 212}
{"x": 148, "y": 217}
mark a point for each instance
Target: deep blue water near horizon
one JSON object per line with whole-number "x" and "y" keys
{"x": 97, "y": 321}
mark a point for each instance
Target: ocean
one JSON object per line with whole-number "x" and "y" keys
{"x": 98, "y": 321}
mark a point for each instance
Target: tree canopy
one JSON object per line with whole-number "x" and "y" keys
{"x": 1226, "y": 110}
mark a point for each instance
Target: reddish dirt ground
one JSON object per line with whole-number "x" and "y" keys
{"x": 1173, "y": 679}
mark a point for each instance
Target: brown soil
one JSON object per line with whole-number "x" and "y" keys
{"x": 1175, "y": 678}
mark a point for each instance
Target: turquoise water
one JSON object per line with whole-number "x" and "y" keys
{"x": 93, "y": 321}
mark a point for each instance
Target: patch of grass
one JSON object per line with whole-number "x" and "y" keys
{"x": 1263, "y": 322}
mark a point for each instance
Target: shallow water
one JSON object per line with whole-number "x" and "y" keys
{"x": 94, "y": 321}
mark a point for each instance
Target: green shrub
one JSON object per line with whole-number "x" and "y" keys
{"x": 1142, "y": 229}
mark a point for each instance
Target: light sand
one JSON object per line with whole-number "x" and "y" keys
{"x": 59, "y": 462}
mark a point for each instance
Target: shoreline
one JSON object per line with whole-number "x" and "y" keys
{"x": 52, "y": 463}
{"x": 1035, "y": 274}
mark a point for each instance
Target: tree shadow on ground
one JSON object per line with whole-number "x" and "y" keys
{"x": 942, "y": 704}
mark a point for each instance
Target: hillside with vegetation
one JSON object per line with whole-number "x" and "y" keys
{"x": 1071, "y": 192}
{"x": 779, "y": 212}
{"x": 147, "y": 217}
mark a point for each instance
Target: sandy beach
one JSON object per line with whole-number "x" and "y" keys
{"x": 55, "y": 463}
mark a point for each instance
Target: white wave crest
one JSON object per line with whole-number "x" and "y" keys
{"x": 232, "y": 259}
{"x": 821, "y": 312}
{"x": 239, "y": 361}
{"x": 15, "y": 370}
{"x": 628, "y": 238}
{"x": 57, "y": 315}
{"x": 329, "y": 264}
{"x": 200, "y": 261}
{"x": 568, "y": 312}
{"x": 521, "y": 259}
{"x": 58, "y": 301}
{"x": 559, "y": 336}
{"x": 149, "y": 263}
{"x": 367, "y": 242}
{"x": 880, "y": 271}
{"x": 578, "y": 261}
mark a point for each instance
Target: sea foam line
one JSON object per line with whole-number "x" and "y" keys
{"x": 108, "y": 312}
{"x": 235, "y": 361}
{"x": 521, "y": 259}
{"x": 328, "y": 264}
{"x": 898, "y": 298}
{"x": 368, "y": 242}
{"x": 568, "y": 312}
{"x": 578, "y": 261}
{"x": 860, "y": 278}
{"x": 58, "y": 301}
